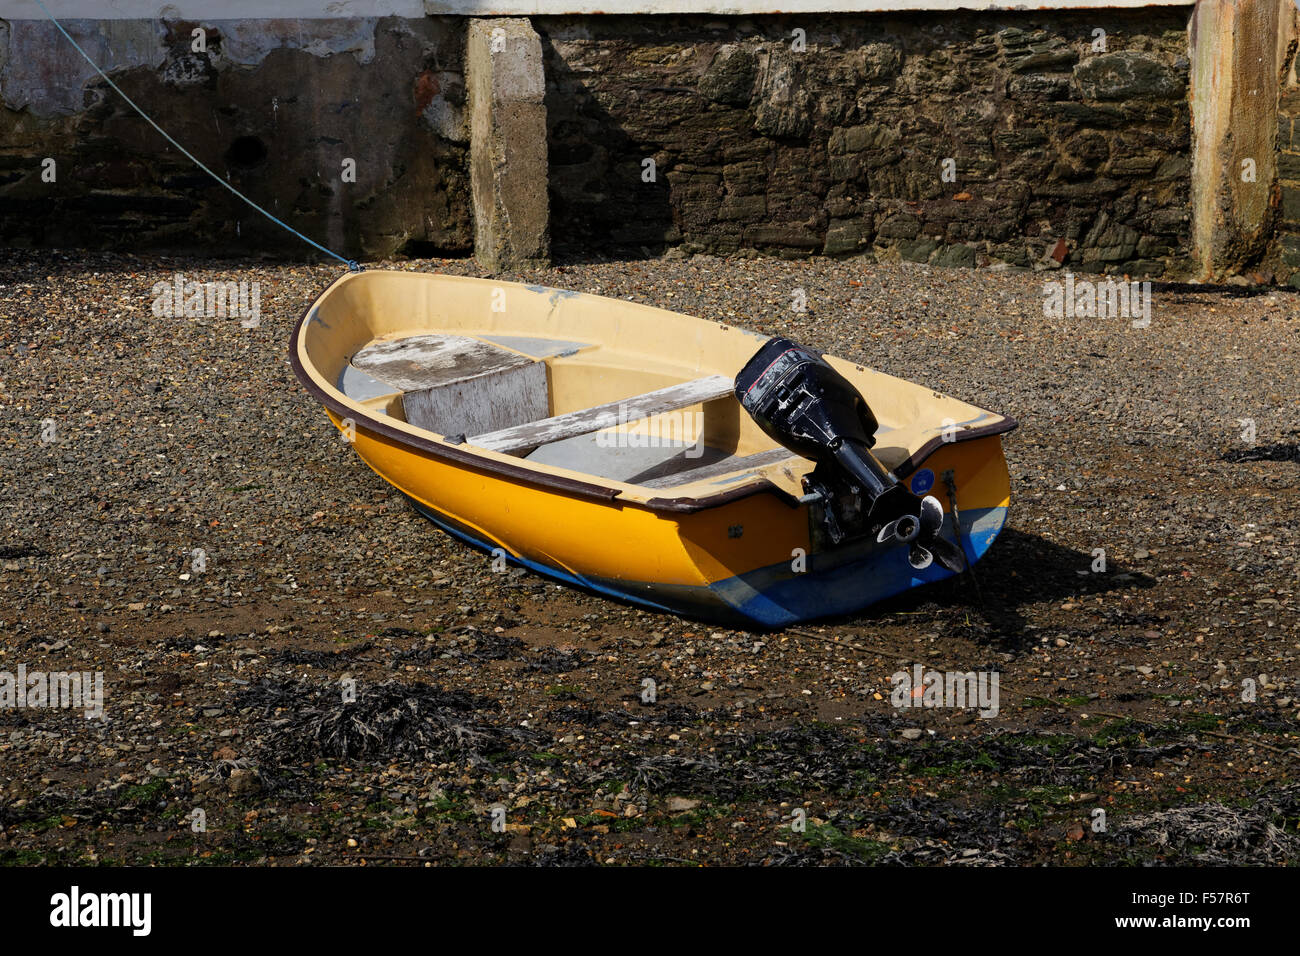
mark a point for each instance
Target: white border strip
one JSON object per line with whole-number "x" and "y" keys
{"x": 213, "y": 10}
{"x": 210, "y": 10}
{"x": 755, "y": 7}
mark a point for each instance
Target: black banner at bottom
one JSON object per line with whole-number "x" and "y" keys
{"x": 197, "y": 907}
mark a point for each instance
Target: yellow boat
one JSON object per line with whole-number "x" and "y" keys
{"x": 685, "y": 465}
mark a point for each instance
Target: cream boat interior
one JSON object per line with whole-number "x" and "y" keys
{"x": 577, "y": 385}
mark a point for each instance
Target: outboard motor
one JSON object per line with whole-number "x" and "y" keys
{"x": 813, "y": 410}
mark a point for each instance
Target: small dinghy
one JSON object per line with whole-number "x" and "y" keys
{"x": 684, "y": 465}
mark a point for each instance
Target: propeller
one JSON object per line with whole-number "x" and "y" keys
{"x": 921, "y": 533}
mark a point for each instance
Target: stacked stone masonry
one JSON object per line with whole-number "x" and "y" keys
{"x": 1287, "y": 234}
{"x": 840, "y": 148}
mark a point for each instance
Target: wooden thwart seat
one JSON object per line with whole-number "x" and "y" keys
{"x": 737, "y": 466}
{"x": 530, "y": 435}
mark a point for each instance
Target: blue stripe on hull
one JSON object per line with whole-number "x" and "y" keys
{"x": 834, "y": 583}
{"x": 843, "y": 582}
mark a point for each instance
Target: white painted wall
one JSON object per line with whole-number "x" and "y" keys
{"x": 329, "y": 9}
{"x": 742, "y": 7}
{"x": 210, "y": 9}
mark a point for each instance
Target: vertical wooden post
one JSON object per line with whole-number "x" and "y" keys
{"x": 1237, "y": 51}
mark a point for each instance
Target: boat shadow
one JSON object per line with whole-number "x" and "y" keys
{"x": 1277, "y": 451}
{"x": 1020, "y": 570}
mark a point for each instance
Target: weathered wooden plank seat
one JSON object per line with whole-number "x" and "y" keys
{"x": 432, "y": 360}
{"x": 451, "y": 384}
{"x": 738, "y": 466}
{"x": 530, "y": 435}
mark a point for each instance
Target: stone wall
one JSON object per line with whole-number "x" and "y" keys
{"x": 1062, "y": 153}
{"x": 1286, "y": 248}
{"x": 276, "y": 106}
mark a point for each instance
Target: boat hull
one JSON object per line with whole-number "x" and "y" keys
{"x": 771, "y": 597}
{"x": 750, "y": 562}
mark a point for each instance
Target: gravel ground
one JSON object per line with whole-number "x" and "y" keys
{"x": 1121, "y": 690}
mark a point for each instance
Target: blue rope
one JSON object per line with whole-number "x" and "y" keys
{"x": 350, "y": 263}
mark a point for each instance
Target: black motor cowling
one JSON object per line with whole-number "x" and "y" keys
{"x": 801, "y": 402}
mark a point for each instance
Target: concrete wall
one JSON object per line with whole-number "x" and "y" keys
{"x": 274, "y": 105}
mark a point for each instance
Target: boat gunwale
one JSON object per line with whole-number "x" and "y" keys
{"x": 449, "y": 452}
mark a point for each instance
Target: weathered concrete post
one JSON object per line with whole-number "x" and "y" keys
{"x": 508, "y": 162}
{"x": 1237, "y": 51}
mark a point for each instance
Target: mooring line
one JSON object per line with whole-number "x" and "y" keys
{"x": 350, "y": 263}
